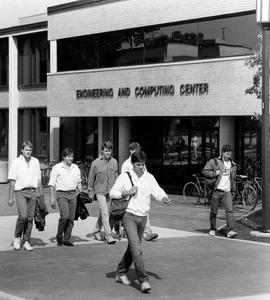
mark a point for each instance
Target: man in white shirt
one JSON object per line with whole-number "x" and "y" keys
{"x": 25, "y": 180}
{"x": 127, "y": 166}
{"x": 135, "y": 217}
{"x": 65, "y": 179}
{"x": 224, "y": 170}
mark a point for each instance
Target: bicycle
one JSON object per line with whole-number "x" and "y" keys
{"x": 46, "y": 171}
{"x": 245, "y": 195}
{"x": 256, "y": 183}
{"x": 196, "y": 191}
{"x": 84, "y": 168}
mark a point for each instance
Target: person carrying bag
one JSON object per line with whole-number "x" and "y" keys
{"x": 119, "y": 206}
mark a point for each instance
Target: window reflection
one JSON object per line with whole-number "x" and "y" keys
{"x": 33, "y": 59}
{"x": 3, "y": 62}
{"x": 3, "y": 134}
{"x": 160, "y": 44}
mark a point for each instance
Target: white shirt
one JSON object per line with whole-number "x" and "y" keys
{"x": 25, "y": 174}
{"x": 65, "y": 178}
{"x": 225, "y": 182}
{"x": 127, "y": 166}
{"x": 147, "y": 185}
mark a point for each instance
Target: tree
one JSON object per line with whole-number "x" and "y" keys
{"x": 255, "y": 61}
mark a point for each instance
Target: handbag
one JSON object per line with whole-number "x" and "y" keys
{"x": 119, "y": 206}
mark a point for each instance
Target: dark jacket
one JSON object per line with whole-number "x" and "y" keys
{"x": 81, "y": 210}
{"x": 210, "y": 169}
{"x": 41, "y": 212}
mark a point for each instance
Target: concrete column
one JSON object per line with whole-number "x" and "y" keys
{"x": 53, "y": 57}
{"x": 124, "y": 139}
{"x": 100, "y": 133}
{"x": 54, "y": 121}
{"x": 54, "y": 138}
{"x": 227, "y": 132}
{"x": 13, "y": 99}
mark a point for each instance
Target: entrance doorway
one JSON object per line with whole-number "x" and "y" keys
{"x": 176, "y": 147}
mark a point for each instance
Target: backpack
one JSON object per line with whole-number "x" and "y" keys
{"x": 210, "y": 182}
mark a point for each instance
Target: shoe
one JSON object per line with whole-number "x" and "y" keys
{"x": 110, "y": 240}
{"x": 17, "y": 244}
{"x": 145, "y": 287}
{"x": 27, "y": 246}
{"x": 69, "y": 244}
{"x": 122, "y": 279}
{"x": 231, "y": 234}
{"x": 212, "y": 232}
{"x": 150, "y": 236}
{"x": 97, "y": 236}
{"x": 59, "y": 242}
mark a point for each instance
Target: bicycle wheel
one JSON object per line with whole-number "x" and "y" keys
{"x": 249, "y": 197}
{"x": 191, "y": 193}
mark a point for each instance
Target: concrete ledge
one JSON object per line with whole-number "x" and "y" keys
{"x": 260, "y": 234}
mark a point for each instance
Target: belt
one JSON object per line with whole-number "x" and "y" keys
{"x": 220, "y": 191}
{"x": 69, "y": 191}
{"x": 28, "y": 189}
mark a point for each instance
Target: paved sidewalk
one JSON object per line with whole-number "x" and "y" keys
{"x": 183, "y": 263}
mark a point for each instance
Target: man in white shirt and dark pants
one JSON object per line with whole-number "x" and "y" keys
{"x": 65, "y": 179}
{"x": 25, "y": 180}
{"x": 127, "y": 166}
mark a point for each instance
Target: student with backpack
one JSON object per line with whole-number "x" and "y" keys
{"x": 221, "y": 172}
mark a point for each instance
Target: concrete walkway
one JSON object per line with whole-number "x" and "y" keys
{"x": 183, "y": 263}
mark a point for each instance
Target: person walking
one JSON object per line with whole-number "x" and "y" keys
{"x": 135, "y": 217}
{"x": 65, "y": 183}
{"x": 224, "y": 170}
{"x": 127, "y": 166}
{"x": 25, "y": 184}
{"x": 102, "y": 176}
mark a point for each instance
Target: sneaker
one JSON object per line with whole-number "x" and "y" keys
{"x": 69, "y": 244}
{"x": 122, "y": 279}
{"x": 150, "y": 236}
{"x": 97, "y": 236}
{"x": 145, "y": 287}
{"x": 110, "y": 240}
{"x": 27, "y": 246}
{"x": 17, "y": 244}
{"x": 212, "y": 232}
{"x": 231, "y": 234}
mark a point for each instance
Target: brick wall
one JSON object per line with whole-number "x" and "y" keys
{"x": 227, "y": 80}
{"x": 33, "y": 98}
{"x": 136, "y": 13}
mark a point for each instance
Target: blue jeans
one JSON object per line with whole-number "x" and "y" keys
{"x": 226, "y": 197}
{"x": 26, "y": 204}
{"x": 134, "y": 226}
{"x": 148, "y": 229}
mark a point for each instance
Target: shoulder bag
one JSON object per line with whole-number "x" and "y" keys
{"x": 119, "y": 206}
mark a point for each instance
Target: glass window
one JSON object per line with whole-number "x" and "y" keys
{"x": 81, "y": 135}
{"x": 3, "y": 62}
{"x": 228, "y": 36}
{"x": 160, "y": 44}
{"x": 3, "y": 134}
{"x": 34, "y": 126}
{"x": 33, "y": 59}
{"x": 248, "y": 146}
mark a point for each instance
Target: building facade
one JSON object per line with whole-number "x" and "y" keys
{"x": 169, "y": 74}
